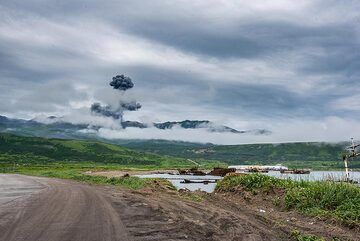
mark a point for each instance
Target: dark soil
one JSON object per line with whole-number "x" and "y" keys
{"x": 160, "y": 213}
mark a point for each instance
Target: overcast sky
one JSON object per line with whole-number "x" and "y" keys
{"x": 292, "y": 67}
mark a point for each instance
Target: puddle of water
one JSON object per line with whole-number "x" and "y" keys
{"x": 176, "y": 181}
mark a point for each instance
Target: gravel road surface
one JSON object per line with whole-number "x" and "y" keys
{"x": 42, "y": 209}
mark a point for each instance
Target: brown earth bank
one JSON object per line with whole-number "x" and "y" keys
{"x": 68, "y": 210}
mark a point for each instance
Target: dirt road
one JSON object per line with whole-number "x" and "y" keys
{"x": 36, "y": 209}
{"x": 39, "y": 209}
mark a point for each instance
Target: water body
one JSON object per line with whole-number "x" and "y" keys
{"x": 176, "y": 181}
{"x": 210, "y": 187}
{"x": 317, "y": 175}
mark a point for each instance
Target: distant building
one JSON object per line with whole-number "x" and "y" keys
{"x": 278, "y": 167}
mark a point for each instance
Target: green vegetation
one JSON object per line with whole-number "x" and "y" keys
{"x": 296, "y": 235}
{"x": 340, "y": 201}
{"x": 317, "y": 156}
{"x": 191, "y": 196}
{"x": 77, "y": 172}
{"x": 29, "y": 151}
{"x": 71, "y": 159}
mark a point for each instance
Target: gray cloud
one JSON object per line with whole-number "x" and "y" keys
{"x": 53, "y": 97}
{"x": 239, "y": 60}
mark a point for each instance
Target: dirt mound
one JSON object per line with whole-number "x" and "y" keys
{"x": 271, "y": 205}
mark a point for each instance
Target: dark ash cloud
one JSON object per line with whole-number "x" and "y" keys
{"x": 106, "y": 111}
{"x": 121, "y": 82}
{"x": 131, "y": 106}
{"x": 116, "y": 111}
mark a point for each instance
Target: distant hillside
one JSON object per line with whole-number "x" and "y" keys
{"x": 196, "y": 124}
{"x": 309, "y": 155}
{"x": 27, "y": 150}
{"x": 33, "y": 128}
{"x": 304, "y": 155}
{"x": 56, "y": 128}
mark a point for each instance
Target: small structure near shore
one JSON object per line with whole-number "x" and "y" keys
{"x": 198, "y": 181}
{"x": 218, "y": 171}
{"x": 295, "y": 171}
{"x": 258, "y": 168}
{"x": 192, "y": 171}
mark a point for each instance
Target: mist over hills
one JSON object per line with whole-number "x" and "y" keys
{"x": 57, "y": 128}
{"x": 302, "y": 154}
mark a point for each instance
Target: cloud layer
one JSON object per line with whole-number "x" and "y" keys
{"x": 244, "y": 64}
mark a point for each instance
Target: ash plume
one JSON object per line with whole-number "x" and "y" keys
{"x": 116, "y": 111}
{"x": 106, "y": 111}
{"x": 131, "y": 106}
{"x": 121, "y": 82}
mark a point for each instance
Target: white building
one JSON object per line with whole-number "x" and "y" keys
{"x": 277, "y": 167}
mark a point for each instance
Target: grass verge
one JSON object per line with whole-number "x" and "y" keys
{"x": 77, "y": 173}
{"x": 296, "y": 235}
{"x": 340, "y": 201}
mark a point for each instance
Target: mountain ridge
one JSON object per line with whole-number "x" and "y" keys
{"x": 55, "y": 123}
{"x": 295, "y": 155}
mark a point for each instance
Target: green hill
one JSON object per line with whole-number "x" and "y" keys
{"x": 300, "y": 155}
{"x": 160, "y": 153}
{"x": 37, "y": 150}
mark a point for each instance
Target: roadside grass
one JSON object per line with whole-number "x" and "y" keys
{"x": 296, "y": 235}
{"x": 191, "y": 196}
{"x": 77, "y": 172}
{"x": 340, "y": 201}
{"x": 128, "y": 182}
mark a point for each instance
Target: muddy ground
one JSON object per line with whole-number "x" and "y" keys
{"x": 216, "y": 216}
{"x": 222, "y": 216}
{"x": 68, "y": 210}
